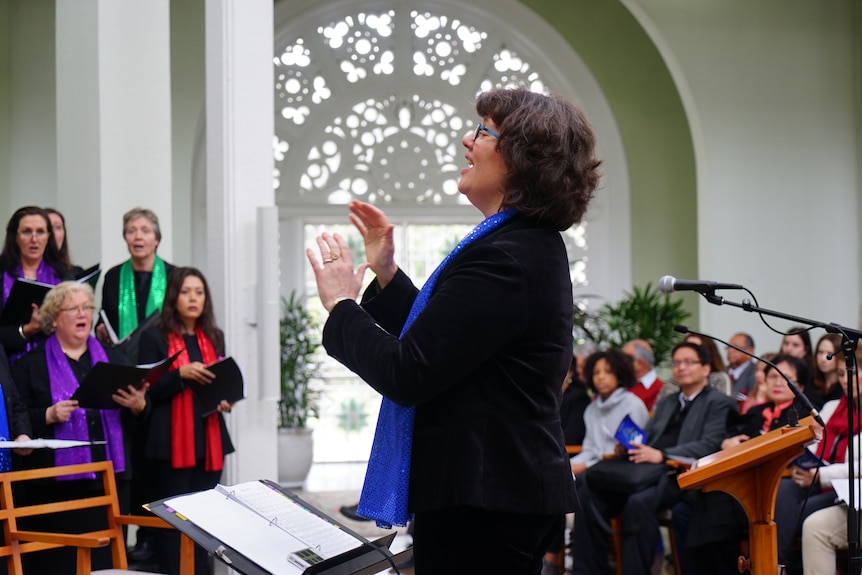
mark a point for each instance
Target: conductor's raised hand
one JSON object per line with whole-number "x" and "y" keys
{"x": 336, "y": 278}
{"x": 377, "y": 232}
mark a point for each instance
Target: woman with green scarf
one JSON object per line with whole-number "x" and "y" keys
{"x": 135, "y": 289}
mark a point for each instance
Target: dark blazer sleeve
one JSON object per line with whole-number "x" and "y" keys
{"x": 461, "y": 327}
{"x": 391, "y": 311}
{"x": 16, "y": 411}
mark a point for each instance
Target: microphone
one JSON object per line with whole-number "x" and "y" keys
{"x": 669, "y": 284}
{"x": 793, "y": 387}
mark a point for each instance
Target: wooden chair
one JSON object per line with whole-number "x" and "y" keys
{"x": 17, "y": 542}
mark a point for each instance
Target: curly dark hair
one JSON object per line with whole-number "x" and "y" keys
{"x": 170, "y": 321}
{"x": 549, "y": 147}
{"x": 11, "y": 256}
{"x": 620, "y": 364}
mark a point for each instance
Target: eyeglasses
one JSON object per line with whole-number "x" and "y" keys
{"x": 27, "y": 234}
{"x": 684, "y": 362}
{"x": 480, "y": 128}
{"x": 79, "y": 309}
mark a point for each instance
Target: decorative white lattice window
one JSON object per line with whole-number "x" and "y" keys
{"x": 406, "y": 81}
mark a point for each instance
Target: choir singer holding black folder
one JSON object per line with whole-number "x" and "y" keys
{"x": 46, "y": 378}
{"x": 470, "y": 366}
{"x": 184, "y": 450}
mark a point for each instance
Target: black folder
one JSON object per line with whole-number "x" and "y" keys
{"x": 19, "y": 305}
{"x": 104, "y": 379}
{"x": 228, "y": 385}
{"x": 90, "y": 275}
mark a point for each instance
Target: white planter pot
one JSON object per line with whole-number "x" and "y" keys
{"x": 295, "y": 453}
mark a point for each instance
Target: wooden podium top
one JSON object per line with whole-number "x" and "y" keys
{"x": 784, "y": 443}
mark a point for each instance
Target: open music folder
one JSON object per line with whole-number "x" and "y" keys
{"x": 260, "y": 528}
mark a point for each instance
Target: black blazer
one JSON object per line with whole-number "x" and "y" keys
{"x": 111, "y": 294}
{"x": 483, "y": 364}
{"x": 703, "y": 429}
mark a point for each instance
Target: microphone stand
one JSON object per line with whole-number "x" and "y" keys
{"x": 849, "y": 342}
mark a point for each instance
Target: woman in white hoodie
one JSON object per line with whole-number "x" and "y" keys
{"x": 609, "y": 374}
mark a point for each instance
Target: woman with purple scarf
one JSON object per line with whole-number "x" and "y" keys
{"x": 29, "y": 252}
{"x": 46, "y": 379}
{"x": 469, "y": 435}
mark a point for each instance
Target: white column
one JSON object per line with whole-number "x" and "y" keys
{"x": 113, "y": 121}
{"x": 242, "y": 218}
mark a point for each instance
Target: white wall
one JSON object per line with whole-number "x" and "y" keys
{"x": 770, "y": 89}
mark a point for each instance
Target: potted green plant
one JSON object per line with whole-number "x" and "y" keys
{"x": 643, "y": 314}
{"x": 299, "y": 399}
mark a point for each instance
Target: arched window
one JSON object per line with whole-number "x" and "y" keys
{"x": 372, "y": 99}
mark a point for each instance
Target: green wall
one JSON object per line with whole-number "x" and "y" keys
{"x": 654, "y": 129}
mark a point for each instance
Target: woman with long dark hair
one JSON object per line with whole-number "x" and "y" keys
{"x": 184, "y": 450}
{"x": 29, "y": 252}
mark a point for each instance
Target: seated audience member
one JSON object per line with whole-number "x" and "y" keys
{"x": 610, "y": 375}
{"x": 575, "y": 401}
{"x": 826, "y": 367}
{"x": 809, "y": 490}
{"x": 797, "y": 342}
{"x": 709, "y": 526}
{"x": 690, "y": 423}
{"x": 825, "y": 530}
{"x": 757, "y": 395}
{"x": 740, "y": 365}
{"x": 648, "y": 385}
{"x": 718, "y": 377}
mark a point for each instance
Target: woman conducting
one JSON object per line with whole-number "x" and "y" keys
{"x": 46, "y": 379}
{"x": 472, "y": 363}
{"x": 184, "y": 450}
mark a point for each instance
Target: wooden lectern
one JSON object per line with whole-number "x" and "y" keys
{"x": 750, "y": 472}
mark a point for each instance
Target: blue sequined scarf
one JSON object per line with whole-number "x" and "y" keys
{"x": 387, "y": 479}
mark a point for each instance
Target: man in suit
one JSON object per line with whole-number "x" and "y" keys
{"x": 687, "y": 424}
{"x": 648, "y": 384}
{"x": 741, "y": 369}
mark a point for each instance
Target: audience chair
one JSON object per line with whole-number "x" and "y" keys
{"x": 17, "y": 542}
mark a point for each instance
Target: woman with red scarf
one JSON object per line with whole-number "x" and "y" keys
{"x": 184, "y": 450}
{"x": 809, "y": 490}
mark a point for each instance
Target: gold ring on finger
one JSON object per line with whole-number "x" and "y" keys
{"x": 327, "y": 261}
{"x": 335, "y": 256}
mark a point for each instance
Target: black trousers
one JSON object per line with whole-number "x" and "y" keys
{"x": 171, "y": 482}
{"x": 467, "y": 540}
{"x": 591, "y": 535}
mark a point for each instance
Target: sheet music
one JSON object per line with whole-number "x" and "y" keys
{"x": 261, "y": 523}
{"x": 842, "y": 490}
{"x": 248, "y": 533}
{"x": 47, "y": 444}
{"x": 328, "y": 539}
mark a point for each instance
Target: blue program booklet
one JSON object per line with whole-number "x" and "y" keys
{"x": 628, "y": 432}
{"x": 807, "y": 460}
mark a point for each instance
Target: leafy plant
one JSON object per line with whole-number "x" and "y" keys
{"x": 298, "y": 339}
{"x": 643, "y": 314}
